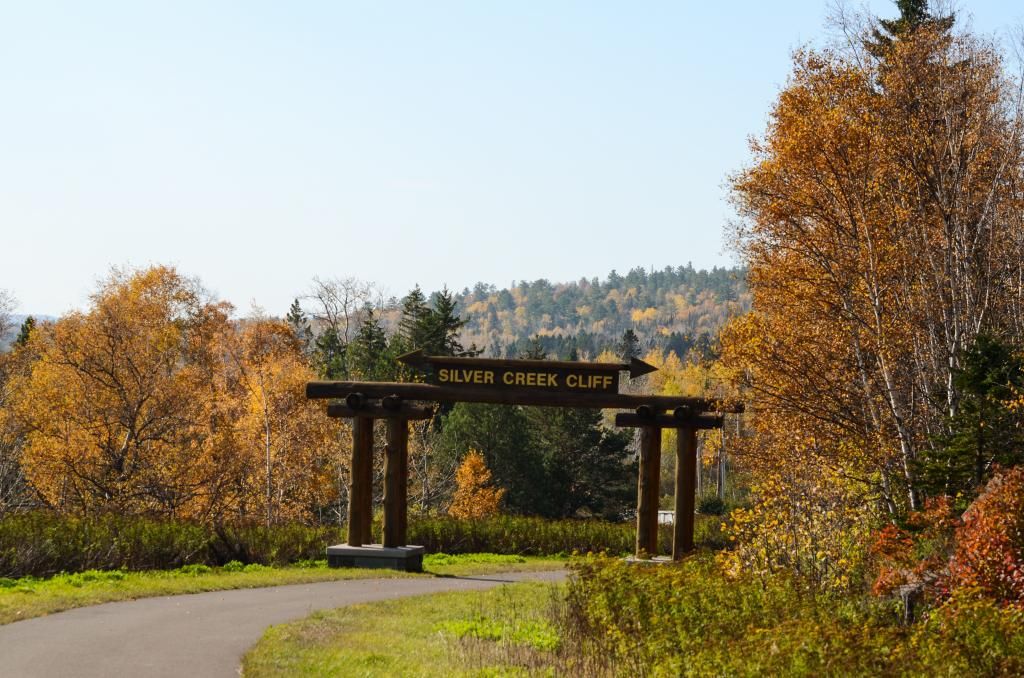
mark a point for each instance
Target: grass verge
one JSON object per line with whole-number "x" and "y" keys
{"x": 502, "y": 631}
{"x": 33, "y": 597}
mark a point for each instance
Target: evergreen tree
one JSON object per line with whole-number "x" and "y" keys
{"x": 411, "y": 324}
{"x": 535, "y": 349}
{"x": 441, "y": 326}
{"x": 329, "y": 355}
{"x": 985, "y": 430}
{"x": 25, "y": 331}
{"x": 296, "y": 317}
{"x": 502, "y": 434}
{"x": 588, "y": 467}
{"x": 368, "y": 354}
{"x": 629, "y": 347}
{"x": 913, "y": 15}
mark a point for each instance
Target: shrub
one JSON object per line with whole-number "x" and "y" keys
{"x": 711, "y": 505}
{"x": 815, "y": 527}
{"x": 917, "y": 552}
{"x": 689, "y": 619}
{"x": 195, "y": 570}
{"x": 277, "y": 545}
{"x": 989, "y": 555}
{"x": 971, "y": 635}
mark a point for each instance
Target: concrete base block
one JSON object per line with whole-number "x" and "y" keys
{"x": 405, "y": 558}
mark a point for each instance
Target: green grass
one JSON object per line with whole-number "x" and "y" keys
{"x": 503, "y": 631}
{"x": 33, "y": 597}
{"x": 613, "y": 618}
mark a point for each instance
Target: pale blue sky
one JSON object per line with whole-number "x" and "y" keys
{"x": 257, "y": 144}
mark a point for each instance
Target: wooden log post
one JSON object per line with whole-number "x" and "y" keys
{"x": 360, "y": 497}
{"x": 403, "y": 492}
{"x": 396, "y": 453}
{"x": 686, "y": 491}
{"x": 363, "y": 413}
{"x": 648, "y": 482}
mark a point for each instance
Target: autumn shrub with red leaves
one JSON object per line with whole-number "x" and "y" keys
{"x": 916, "y": 553}
{"x": 989, "y": 555}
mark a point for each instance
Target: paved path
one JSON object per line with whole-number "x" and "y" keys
{"x": 196, "y": 635}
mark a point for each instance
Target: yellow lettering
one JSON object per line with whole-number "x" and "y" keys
{"x": 442, "y": 375}
{"x": 488, "y": 377}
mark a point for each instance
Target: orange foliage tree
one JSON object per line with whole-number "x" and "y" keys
{"x": 882, "y": 226}
{"x": 474, "y": 495}
{"x": 153, "y": 401}
{"x": 116, "y": 405}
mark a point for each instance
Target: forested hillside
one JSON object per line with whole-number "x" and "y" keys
{"x": 674, "y": 309}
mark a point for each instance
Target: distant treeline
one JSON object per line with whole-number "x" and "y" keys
{"x": 675, "y": 309}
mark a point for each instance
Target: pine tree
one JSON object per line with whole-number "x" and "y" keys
{"x": 296, "y": 317}
{"x": 985, "y": 430}
{"x": 25, "y": 331}
{"x": 535, "y": 349}
{"x": 368, "y": 355}
{"x": 914, "y": 14}
{"x": 329, "y": 355}
{"x": 446, "y": 325}
{"x": 589, "y": 470}
{"x": 629, "y": 347}
{"x": 411, "y": 322}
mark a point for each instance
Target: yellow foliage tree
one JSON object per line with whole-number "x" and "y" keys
{"x": 153, "y": 401}
{"x": 116, "y": 405}
{"x": 474, "y": 495}
{"x": 280, "y": 434}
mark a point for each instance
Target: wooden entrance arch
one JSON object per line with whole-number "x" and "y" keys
{"x": 509, "y": 382}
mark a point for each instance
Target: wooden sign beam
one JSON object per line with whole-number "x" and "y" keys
{"x": 378, "y": 411}
{"x": 514, "y": 396}
{"x": 421, "y": 361}
{"x": 698, "y": 422}
{"x": 544, "y": 375}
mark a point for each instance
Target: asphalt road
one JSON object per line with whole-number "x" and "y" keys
{"x": 196, "y": 635}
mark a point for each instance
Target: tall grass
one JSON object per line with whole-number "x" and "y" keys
{"x": 42, "y": 544}
{"x": 537, "y": 536}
